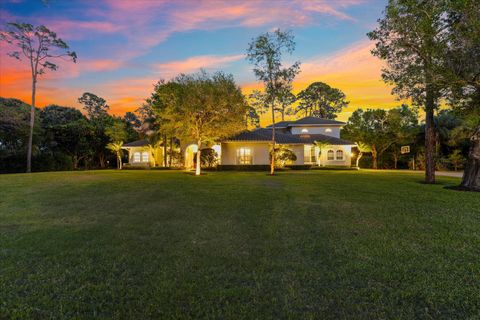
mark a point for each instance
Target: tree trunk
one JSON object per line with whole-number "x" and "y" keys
{"x": 429, "y": 132}
{"x": 119, "y": 161}
{"x": 199, "y": 152}
{"x": 32, "y": 123}
{"x": 360, "y": 154}
{"x": 101, "y": 159}
{"x": 395, "y": 160}
{"x": 75, "y": 161}
{"x": 165, "y": 150}
{"x": 471, "y": 175}
{"x": 374, "y": 158}
{"x": 171, "y": 152}
{"x": 272, "y": 161}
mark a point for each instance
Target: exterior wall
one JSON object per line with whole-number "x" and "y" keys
{"x": 318, "y": 130}
{"x": 133, "y": 150}
{"x": 347, "y": 156}
{"x": 260, "y": 152}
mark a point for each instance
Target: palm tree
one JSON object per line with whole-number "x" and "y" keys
{"x": 116, "y": 147}
{"x": 362, "y": 148}
{"x": 154, "y": 142}
{"x": 321, "y": 145}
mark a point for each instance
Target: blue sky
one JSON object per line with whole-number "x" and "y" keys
{"x": 124, "y": 47}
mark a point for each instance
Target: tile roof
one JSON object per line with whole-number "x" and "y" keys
{"x": 138, "y": 143}
{"x": 315, "y": 120}
{"x": 265, "y": 135}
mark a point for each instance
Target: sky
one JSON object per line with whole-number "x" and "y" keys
{"x": 125, "y": 46}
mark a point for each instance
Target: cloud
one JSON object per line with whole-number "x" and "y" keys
{"x": 193, "y": 64}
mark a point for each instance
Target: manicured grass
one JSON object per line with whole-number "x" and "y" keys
{"x": 230, "y": 245}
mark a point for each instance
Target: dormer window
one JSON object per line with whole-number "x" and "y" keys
{"x": 304, "y": 130}
{"x": 328, "y": 130}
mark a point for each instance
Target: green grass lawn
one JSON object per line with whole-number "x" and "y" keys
{"x": 300, "y": 245}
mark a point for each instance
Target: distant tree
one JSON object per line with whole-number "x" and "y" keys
{"x": 117, "y": 134}
{"x": 97, "y": 112}
{"x": 456, "y": 159}
{"x": 14, "y": 125}
{"x": 94, "y": 105}
{"x": 265, "y": 53}
{"x": 284, "y": 101}
{"x": 67, "y": 131}
{"x": 370, "y": 127}
{"x": 201, "y": 107}
{"x": 321, "y": 100}
{"x": 252, "y": 118}
{"x": 403, "y": 128}
{"x": 409, "y": 39}
{"x": 40, "y": 46}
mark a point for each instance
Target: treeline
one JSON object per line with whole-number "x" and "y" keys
{"x": 381, "y": 134}
{"x": 64, "y": 138}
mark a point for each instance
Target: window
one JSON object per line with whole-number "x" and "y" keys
{"x": 304, "y": 130}
{"x": 328, "y": 130}
{"x": 136, "y": 157}
{"x": 244, "y": 156}
{"x": 330, "y": 155}
{"x": 310, "y": 154}
{"x": 339, "y": 154}
{"x": 145, "y": 156}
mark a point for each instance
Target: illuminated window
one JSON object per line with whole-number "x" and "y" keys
{"x": 145, "y": 156}
{"x": 136, "y": 157}
{"x": 339, "y": 155}
{"x": 328, "y": 130}
{"x": 330, "y": 155}
{"x": 304, "y": 130}
{"x": 244, "y": 156}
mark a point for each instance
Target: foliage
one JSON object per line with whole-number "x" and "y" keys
{"x": 94, "y": 106}
{"x": 201, "y": 107}
{"x": 409, "y": 38}
{"x": 456, "y": 159}
{"x": 117, "y": 134}
{"x": 209, "y": 158}
{"x": 67, "y": 131}
{"x": 321, "y": 100}
{"x": 40, "y": 46}
{"x": 284, "y": 156}
{"x": 265, "y": 53}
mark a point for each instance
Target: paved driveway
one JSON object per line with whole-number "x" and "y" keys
{"x": 456, "y": 174}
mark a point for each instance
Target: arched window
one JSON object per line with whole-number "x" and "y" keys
{"x": 136, "y": 157}
{"x": 304, "y": 130}
{"x": 330, "y": 155}
{"x": 144, "y": 156}
{"x": 328, "y": 130}
{"x": 339, "y": 154}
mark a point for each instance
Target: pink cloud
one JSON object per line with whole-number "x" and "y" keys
{"x": 193, "y": 64}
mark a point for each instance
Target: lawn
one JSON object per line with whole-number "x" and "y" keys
{"x": 300, "y": 245}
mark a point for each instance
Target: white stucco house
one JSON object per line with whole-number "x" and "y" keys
{"x": 253, "y": 147}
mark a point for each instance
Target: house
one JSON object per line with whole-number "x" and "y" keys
{"x": 140, "y": 154}
{"x": 253, "y": 147}
{"x": 300, "y": 136}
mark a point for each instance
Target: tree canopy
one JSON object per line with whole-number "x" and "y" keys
{"x": 321, "y": 100}
{"x": 201, "y": 107}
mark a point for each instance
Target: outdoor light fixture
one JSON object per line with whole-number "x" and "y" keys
{"x": 304, "y": 130}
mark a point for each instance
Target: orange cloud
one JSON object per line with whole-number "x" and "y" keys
{"x": 354, "y": 71}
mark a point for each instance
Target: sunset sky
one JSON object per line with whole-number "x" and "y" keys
{"x": 124, "y": 47}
